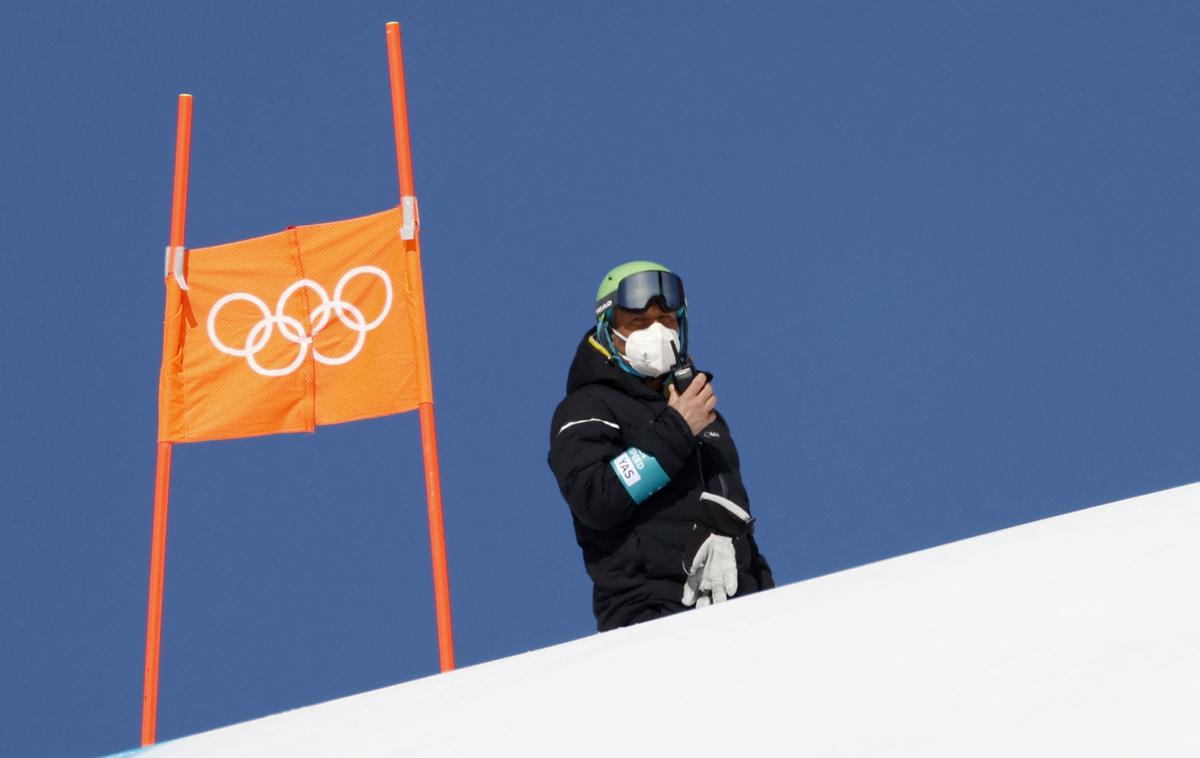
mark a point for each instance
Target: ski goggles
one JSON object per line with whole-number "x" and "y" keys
{"x": 637, "y": 292}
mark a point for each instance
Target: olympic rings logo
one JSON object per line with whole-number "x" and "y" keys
{"x": 292, "y": 330}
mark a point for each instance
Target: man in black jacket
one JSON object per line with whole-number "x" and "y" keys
{"x": 646, "y": 463}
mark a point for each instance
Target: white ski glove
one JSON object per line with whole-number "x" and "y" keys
{"x": 712, "y": 576}
{"x": 710, "y": 559}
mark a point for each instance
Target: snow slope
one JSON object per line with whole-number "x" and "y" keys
{"x": 1074, "y": 636}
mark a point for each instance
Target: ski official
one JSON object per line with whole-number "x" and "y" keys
{"x": 647, "y": 464}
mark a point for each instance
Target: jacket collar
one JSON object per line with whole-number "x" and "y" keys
{"x": 594, "y": 364}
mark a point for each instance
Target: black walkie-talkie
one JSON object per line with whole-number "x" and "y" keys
{"x": 682, "y": 373}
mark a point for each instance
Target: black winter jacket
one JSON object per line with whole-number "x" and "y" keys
{"x": 634, "y": 553}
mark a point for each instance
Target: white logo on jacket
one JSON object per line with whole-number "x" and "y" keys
{"x": 629, "y": 468}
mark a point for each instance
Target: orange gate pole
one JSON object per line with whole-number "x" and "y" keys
{"x": 412, "y": 246}
{"x": 162, "y": 475}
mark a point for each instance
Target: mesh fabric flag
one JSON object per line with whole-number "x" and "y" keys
{"x": 313, "y": 325}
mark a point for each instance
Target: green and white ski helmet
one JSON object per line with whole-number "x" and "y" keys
{"x": 606, "y": 293}
{"x": 634, "y": 286}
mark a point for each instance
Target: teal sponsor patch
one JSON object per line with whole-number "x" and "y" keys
{"x": 639, "y": 473}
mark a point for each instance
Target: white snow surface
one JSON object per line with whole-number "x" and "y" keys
{"x": 1077, "y": 635}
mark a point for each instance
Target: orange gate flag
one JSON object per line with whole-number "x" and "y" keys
{"x": 313, "y": 325}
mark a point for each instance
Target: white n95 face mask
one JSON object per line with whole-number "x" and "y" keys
{"x": 648, "y": 350}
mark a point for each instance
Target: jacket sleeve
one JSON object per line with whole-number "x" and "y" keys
{"x": 585, "y": 438}
{"x": 722, "y": 465}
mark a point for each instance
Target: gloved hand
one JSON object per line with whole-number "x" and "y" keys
{"x": 710, "y": 559}
{"x": 712, "y": 572}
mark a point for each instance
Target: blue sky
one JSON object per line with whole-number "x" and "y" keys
{"x": 942, "y": 259}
